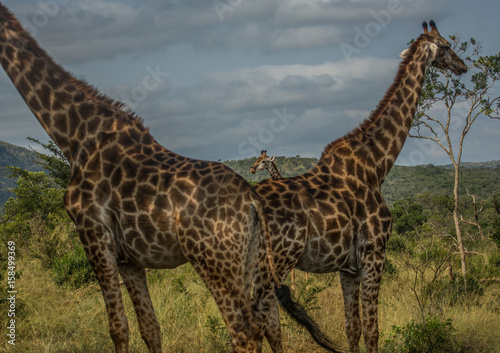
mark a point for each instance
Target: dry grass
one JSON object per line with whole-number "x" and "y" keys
{"x": 52, "y": 319}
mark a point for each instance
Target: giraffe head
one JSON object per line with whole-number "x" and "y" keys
{"x": 441, "y": 55}
{"x": 261, "y": 162}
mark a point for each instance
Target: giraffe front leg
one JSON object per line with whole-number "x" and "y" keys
{"x": 104, "y": 264}
{"x": 135, "y": 280}
{"x": 350, "y": 288}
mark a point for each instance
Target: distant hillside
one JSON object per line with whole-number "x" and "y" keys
{"x": 288, "y": 166}
{"x": 489, "y": 164}
{"x": 11, "y": 155}
{"x": 482, "y": 179}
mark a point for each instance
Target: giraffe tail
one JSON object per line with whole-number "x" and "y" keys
{"x": 299, "y": 314}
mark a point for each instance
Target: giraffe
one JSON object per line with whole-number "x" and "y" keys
{"x": 138, "y": 205}
{"x": 267, "y": 163}
{"x": 333, "y": 217}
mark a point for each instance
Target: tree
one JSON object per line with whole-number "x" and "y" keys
{"x": 408, "y": 215}
{"x": 56, "y": 164}
{"x": 37, "y": 197}
{"x": 495, "y": 236}
{"x": 36, "y": 217}
{"x": 463, "y": 103}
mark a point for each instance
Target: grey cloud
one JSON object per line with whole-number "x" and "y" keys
{"x": 109, "y": 29}
{"x": 297, "y": 82}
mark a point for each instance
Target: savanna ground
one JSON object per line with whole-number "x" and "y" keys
{"x": 51, "y": 318}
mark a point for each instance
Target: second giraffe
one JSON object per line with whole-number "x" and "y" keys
{"x": 334, "y": 218}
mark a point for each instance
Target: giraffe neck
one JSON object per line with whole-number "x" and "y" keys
{"x": 273, "y": 171}
{"x": 75, "y": 115}
{"x": 377, "y": 142}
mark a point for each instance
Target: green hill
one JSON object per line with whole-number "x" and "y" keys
{"x": 481, "y": 179}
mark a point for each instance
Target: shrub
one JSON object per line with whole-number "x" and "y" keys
{"x": 408, "y": 216}
{"x": 73, "y": 269}
{"x": 494, "y": 261}
{"x": 390, "y": 268}
{"x": 397, "y": 243}
{"x": 455, "y": 291}
{"x": 218, "y": 339}
{"x": 430, "y": 336}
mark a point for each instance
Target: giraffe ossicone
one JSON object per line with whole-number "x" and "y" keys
{"x": 334, "y": 218}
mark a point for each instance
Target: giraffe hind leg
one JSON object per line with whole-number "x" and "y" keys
{"x": 135, "y": 280}
{"x": 273, "y": 329}
{"x": 225, "y": 277}
{"x": 264, "y": 302}
{"x": 350, "y": 289}
{"x": 370, "y": 289}
{"x": 234, "y": 305}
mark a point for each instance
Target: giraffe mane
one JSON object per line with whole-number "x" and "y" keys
{"x": 81, "y": 85}
{"x": 377, "y": 113}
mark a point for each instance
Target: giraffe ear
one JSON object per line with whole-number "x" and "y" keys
{"x": 403, "y": 53}
{"x": 271, "y": 159}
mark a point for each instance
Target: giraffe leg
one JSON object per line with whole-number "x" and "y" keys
{"x": 273, "y": 329}
{"x": 135, "y": 280}
{"x": 265, "y": 305}
{"x": 234, "y": 306}
{"x": 225, "y": 283}
{"x": 106, "y": 270}
{"x": 370, "y": 289}
{"x": 350, "y": 288}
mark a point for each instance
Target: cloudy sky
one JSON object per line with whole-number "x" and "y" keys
{"x": 223, "y": 79}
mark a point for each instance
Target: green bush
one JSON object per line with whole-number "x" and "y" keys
{"x": 430, "y": 336}
{"x": 494, "y": 261}
{"x": 73, "y": 269}
{"x": 218, "y": 339}
{"x": 390, "y": 268}
{"x": 408, "y": 216}
{"x": 397, "y": 243}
